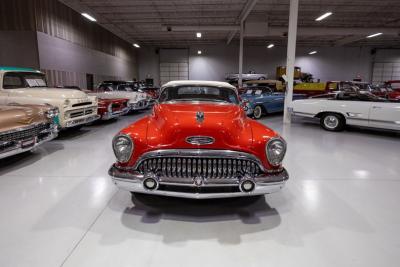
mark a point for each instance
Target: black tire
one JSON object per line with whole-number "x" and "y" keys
{"x": 333, "y": 122}
{"x": 258, "y": 112}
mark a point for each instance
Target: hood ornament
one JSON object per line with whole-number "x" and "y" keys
{"x": 200, "y": 116}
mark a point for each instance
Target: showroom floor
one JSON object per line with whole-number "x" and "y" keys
{"x": 59, "y": 207}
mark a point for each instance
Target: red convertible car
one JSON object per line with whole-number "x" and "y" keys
{"x": 112, "y": 108}
{"x": 198, "y": 143}
{"x": 394, "y": 87}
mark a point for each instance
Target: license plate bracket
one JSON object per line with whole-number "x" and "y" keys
{"x": 28, "y": 143}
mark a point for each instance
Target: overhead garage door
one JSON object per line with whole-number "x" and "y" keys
{"x": 385, "y": 71}
{"x": 174, "y": 65}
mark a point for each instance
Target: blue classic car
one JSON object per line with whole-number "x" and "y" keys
{"x": 262, "y": 100}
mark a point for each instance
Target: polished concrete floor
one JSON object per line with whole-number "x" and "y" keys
{"x": 339, "y": 208}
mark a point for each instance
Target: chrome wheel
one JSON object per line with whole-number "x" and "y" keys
{"x": 331, "y": 122}
{"x": 257, "y": 112}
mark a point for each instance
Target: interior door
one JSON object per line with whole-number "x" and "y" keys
{"x": 385, "y": 115}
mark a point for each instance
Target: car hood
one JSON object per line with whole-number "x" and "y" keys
{"x": 132, "y": 96}
{"x": 52, "y": 93}
{"x": 13, "y": 117}
{"x": 172, "y": 124}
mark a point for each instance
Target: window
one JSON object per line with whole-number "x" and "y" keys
{"x": 24, "y": 80}
{"x": 12, "y": 80}
{"x": 199, "y": 93}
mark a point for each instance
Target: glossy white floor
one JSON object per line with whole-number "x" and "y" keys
{"x": 340, "y": 208}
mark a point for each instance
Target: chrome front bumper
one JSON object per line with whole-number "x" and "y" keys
{"x": 133, "y": 181}
{"x": 140, "y": 105}
{"x": 20, "y": 148}
{"x": 116, "y": 114}
{"x": 79, "y": 121}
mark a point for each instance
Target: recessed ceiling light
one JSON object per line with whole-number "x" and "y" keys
{"x": 312, "y": 52}
{"x": 199, "y": 52}
{"x": 324, "y": 16}
{"x": 270, "y": 45}
{"x": 374, "y": 35}
{"x": 86, "y": 15}
{"x": 198, "y": 35}
{"x": 136, "y": 45}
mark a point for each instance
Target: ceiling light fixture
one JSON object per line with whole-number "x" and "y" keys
{"x": 198, "y": 35}
{"x": 86, "y": 15}
{"x": 324, "y": 16}
{"x": 374, "y": 35}
{"x": 270, "y": 45}
{"x": 136, "y": 45}
{"x": 199, "y": 52}
{"x": 312, "y": 52}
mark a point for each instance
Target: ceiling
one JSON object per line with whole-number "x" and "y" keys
{"x": 146, "y": 21}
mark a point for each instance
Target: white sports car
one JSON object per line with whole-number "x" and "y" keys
{"x": 336, "y": 110}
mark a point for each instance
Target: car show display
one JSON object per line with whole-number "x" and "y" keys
{"x": 29, "y": 86}
{"x": 198, "y": 143}
{"x": 251, "y": 75}
{"x": 24, "y": 127}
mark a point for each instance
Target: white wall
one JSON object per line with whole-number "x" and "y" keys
{"x": 330, "y": 63}
{"x": 64, "y": 56}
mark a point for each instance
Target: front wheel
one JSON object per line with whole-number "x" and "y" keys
{"x": 257, "y": 112}
{"x": 332, "y": 122}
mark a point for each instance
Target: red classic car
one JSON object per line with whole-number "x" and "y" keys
{"x": 110, "y": 108}
{"x": 394, "y": 87}
{"x": 198, "y": 143}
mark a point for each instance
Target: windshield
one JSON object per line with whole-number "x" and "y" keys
{"x": 359, "y": 96}
{"x": 199, "y": 93}
{"x": 24, "y": 80}
{"x": 257, "y": 90}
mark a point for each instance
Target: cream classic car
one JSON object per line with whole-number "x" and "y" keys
{"x": 24, "y": 127}
{"x": 336, "y": 110}
{"x": 29, "y": 86}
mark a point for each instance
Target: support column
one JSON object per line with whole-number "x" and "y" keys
{"x": 291, "y": 56}
{"x": 241, "y": 56}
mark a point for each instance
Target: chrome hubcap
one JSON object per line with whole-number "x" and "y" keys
{"x": 257, "y": 112}
{"x": 331, "y": 122}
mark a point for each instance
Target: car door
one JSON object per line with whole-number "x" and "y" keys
{"x": 356, "y": 112}
{"x": 385, "y": 115}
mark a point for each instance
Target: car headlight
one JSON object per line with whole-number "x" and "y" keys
{"x": 123, "y": 147}
{"x": 66, "y": 103}
{"x": 51, "y": 113}
{"x": 275, "y": 150}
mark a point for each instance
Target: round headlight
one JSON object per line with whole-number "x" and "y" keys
{"x": 275, "y": 150}
{"x": 123, "y": 147}
{"x": 67, "y": 102}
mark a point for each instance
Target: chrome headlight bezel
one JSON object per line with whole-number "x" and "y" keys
{"x": 273, "y": 158}
{"x": 123, "y": 156}
{"x": 53, "y": 112}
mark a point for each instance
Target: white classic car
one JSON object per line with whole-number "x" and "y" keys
{"x": 137, "y": 100}
{"x": 29, "y": 86}
{"x": 251, "y": 75}
{"x": 336, "y": 110}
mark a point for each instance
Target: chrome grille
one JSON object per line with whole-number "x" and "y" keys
{"x": 24, "y": 134}
{"x": 82, "y": 104}
{"x": 80, "y": 112}
{"x": 210, "y": 168}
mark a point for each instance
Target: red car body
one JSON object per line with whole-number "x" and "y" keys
{"x": 394, "y": 94}
{"x": 167, "y": 131}
{"x": 112, "y": 108}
